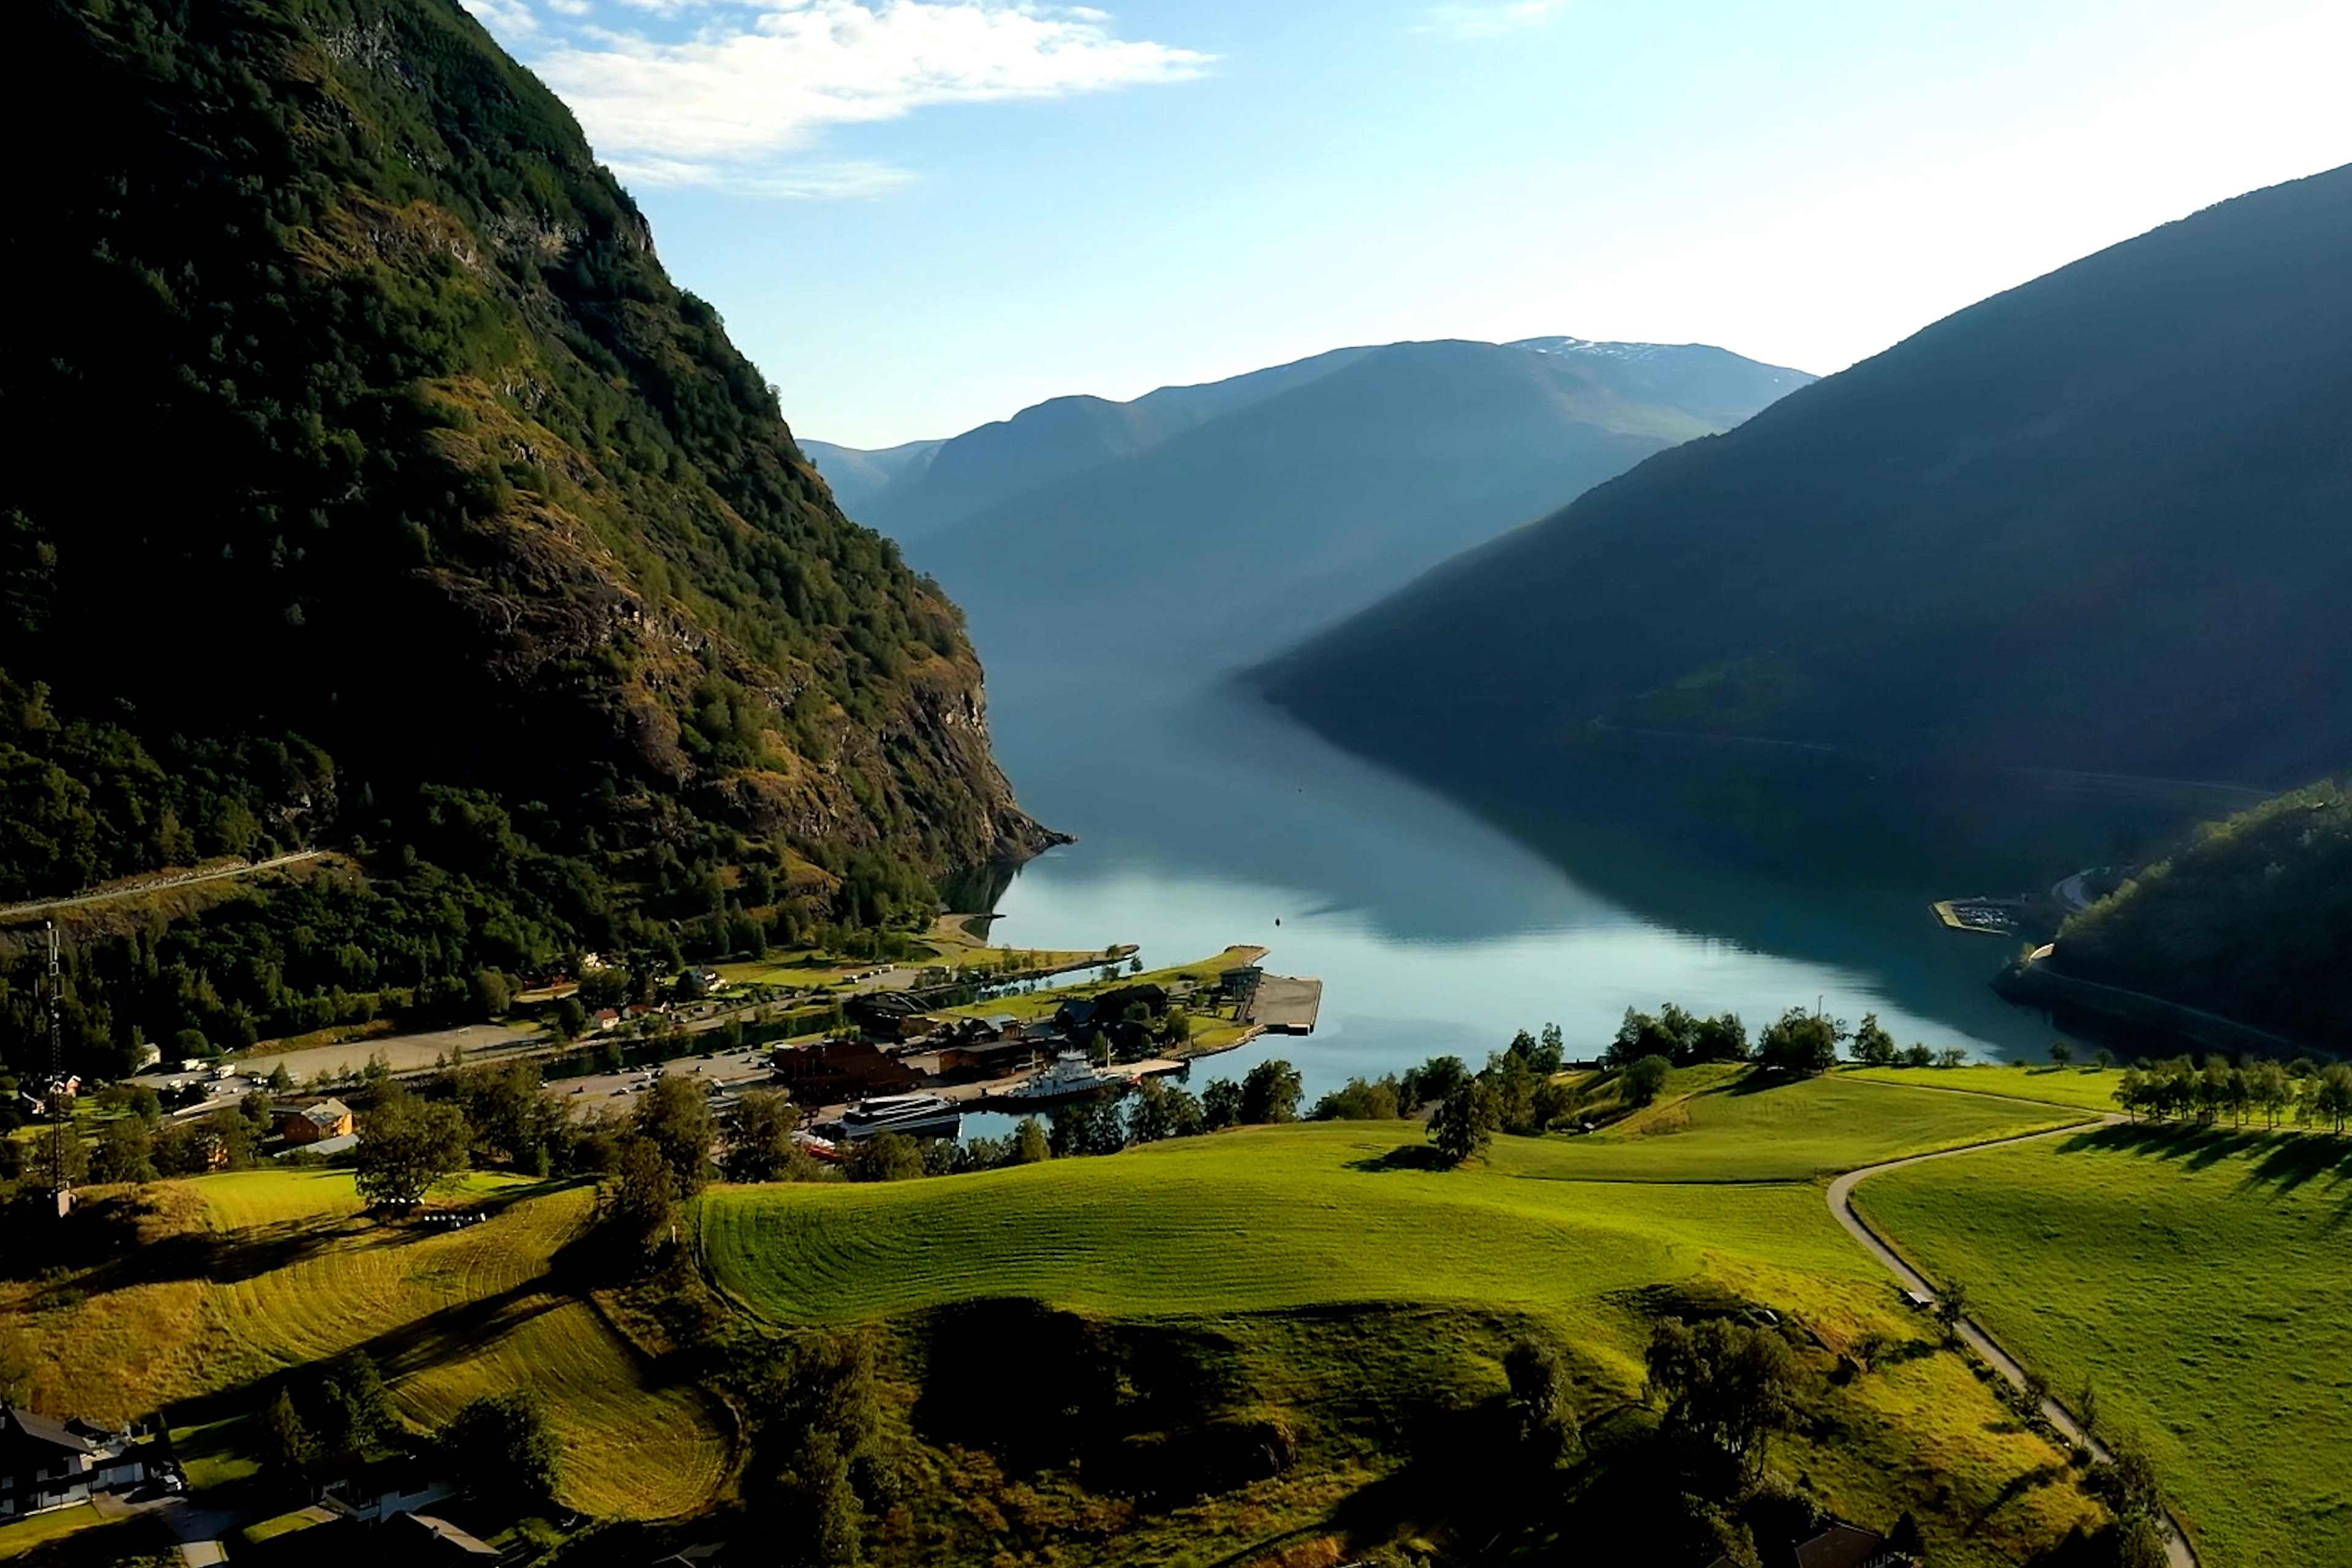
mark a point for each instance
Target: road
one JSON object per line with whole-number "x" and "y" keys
{"x": 226, "y": 873}
{"x": 2177, "y": 1550}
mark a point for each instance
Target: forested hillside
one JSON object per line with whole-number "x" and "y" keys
{"x": 2251, "y": 920}
{"x": 2093, "y": 523}
{"x": 364, "y": 474}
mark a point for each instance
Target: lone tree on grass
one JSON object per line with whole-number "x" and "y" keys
{"x": 1645, "y": 1078}
{"x": 1873, "y": 1045}
{"x": 407, "y": 1147}
{"x": 1466, "y": 1121}
{"x": 1271, "y": 1091}
{"x": 2061, "y": 1053}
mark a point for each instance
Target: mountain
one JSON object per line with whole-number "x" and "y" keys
{"x": 1296, "y": 494}
{"x": 358, "y": 445}
{"x": 2250, "y": 919}
{"x": 2095, "y": 523}
{"x": 925, "y": 485}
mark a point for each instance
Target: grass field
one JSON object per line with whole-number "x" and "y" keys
{"x": 2199, "y": 1279}
{"x": 55, "y": 1524}
{"x": 1249, "y": 1229}
{"x": 1711, "y": 1126}
{"x": 2085, "y": 1089}
{"x": 237, "y": 1277}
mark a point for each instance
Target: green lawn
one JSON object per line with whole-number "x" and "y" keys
{"x": 2200, "y": 1279}
{"x": 239, "y": 1276}
{"x": 24, "y": 1534}
{"x": 1712, "y": 1126}
{"x": 1267, "y": 1233}
{"x": 2086, "y": 1089}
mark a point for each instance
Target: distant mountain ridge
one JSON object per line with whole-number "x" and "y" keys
{"x": 2097, "y": 522}
{"x": 1198, "y": 528}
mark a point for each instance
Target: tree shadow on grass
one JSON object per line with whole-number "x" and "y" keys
{"x": 1406, "y": 1157}
{"x": 2017, "y": 1487}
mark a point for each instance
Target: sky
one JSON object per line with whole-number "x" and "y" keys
{"x": 918, "y": 216}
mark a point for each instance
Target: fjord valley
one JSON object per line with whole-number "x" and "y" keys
{"x": 1181, "y": 535}
{"x": 562, "y": 1046}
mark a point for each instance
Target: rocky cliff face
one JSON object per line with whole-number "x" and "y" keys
{"x": 346, "y": 398}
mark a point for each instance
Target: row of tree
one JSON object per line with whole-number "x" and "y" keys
{"x": 2183, "y": 1088}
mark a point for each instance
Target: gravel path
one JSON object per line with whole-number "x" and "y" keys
{"x": 2177, "y": 1550}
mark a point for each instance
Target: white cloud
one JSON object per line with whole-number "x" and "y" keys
{"x": 762, "y": 79}
{"x": 1491, "y": 21}
{"x": 507, "y": 18}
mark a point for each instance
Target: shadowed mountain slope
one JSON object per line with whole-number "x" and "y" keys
{"x": 347, "y": 407}
{"x": 2099, "y": 523}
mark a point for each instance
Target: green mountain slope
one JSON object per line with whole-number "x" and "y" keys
{"x": 2251, "y": 920}
{"x": 1219, "y": 543}
{"x": 2095, "y": 523}
{"x": 345, "y": 399}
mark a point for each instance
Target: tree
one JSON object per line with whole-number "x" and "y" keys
{"x": 1270, "y": 1092}
{"x": 884, "y": 1157}
{"x": 1873, "y": 1045}
{"x": 1551, "y": 1050}
{"x": 2331, "y": 1095}
{"x": 1643, "y": 1078}
{"x": 407, "y": 1147}
{"x": 2103, "y": 1058}
{"x": 1725, "y": 1384}
{"x": 1163, "y": 1109}
{"x": 1800, "y": 1043}
{"x": 570, "y": 1019}
{"x": 1951, "y": 1306}
{"x": 1432, "y": 1080}
{"x": 759, "y": 1136}
{"x": 675, "y": 1114}
{"x": 493, "y": 993}
{"x": 502, "y": 1449}
{"x": 352, "y": 1409}
{"x": 125, "y": 1151}
{"x": 286, "y": 1441}
{"x": 1538, "y": 1393}
{"x": 2270, "y": 1088}
{"x": 639, "y": 1198}
{"x": 1466, "y": 1121}
{"x": 280, "y": 1080}
{"x": 1030, "y": 1145}
{"x": 1221, "y": 1103}
{"x": 2060, "y": 1052}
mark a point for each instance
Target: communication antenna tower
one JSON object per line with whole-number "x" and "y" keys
{"x": 58, "y": 1130}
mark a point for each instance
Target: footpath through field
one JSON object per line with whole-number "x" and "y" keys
{"x": 2177, "y": 1550}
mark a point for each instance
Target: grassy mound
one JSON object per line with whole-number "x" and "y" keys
{"x": 1334, "y": 1262}
{"x": 2196, "y": 1279}
{"x": 230, "y": 1279}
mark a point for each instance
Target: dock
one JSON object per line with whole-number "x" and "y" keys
{"x": 1284, "y": 1003}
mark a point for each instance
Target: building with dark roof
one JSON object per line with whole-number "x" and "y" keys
{"x": 48, "y": 1464}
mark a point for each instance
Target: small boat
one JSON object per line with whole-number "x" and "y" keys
{"x": 916, "y": 1115}
{"x": 1070, "y": 1076}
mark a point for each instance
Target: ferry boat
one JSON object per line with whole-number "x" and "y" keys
{"x": 916, "y": 1115}
{"x": 1070, "y": 1076}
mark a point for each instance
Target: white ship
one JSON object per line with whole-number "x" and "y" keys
{"x": 916, "y": 1115}
{"x": 1070, "y": 1076}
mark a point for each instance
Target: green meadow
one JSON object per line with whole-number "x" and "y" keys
{"x": 1261, "y": 1236}
{"x": 232, "y": 1278}
{"x": 2197, "y": 1279}
{"x": 2087, "y": 1089}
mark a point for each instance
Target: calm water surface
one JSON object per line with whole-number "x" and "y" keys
{"x": 1204, "y": 818}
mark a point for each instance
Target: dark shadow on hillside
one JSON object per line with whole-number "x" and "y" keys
{"x": 1405, "y": 1157}
{"x": 2280, "y": 1161}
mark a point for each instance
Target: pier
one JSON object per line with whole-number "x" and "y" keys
{"x": 1284, "y": 1003}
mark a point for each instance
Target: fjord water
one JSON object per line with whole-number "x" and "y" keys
{"x": 1204, "y": 817}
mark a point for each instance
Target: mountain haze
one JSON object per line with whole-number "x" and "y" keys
{"x": 1248, "y": 512}
{"x": 350, "y": 416}
{"x": 2099, "y": 523}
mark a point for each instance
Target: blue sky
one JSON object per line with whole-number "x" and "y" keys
{"x": 916, "y": 215}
